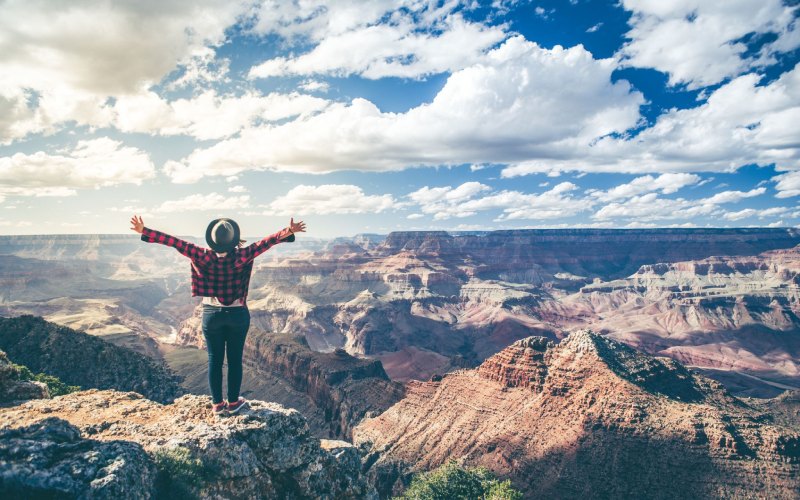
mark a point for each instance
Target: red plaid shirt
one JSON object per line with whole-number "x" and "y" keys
{"x": 225, "y": 277}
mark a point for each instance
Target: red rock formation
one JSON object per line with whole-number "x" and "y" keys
{"x": 589, "y": 417}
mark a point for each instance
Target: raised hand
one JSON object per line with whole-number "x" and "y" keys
{"x": 297, "y": 227}
{"x": 137, "y": 224}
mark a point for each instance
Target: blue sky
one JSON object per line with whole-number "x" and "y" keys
{"x": 376, "y": 116}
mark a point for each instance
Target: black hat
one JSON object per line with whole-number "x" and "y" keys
{"x": 222, "y": 235}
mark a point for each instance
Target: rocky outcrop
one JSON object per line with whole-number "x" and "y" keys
{"x": 13, "y": 388}
{"x": 107, "y": 444}
{"x": 83, "y": 360}
{"x": 50, "y": 459}
{"x": 785, "y": 409}
{"x": 589, "y": 417}
{"x": 522, "y": 364}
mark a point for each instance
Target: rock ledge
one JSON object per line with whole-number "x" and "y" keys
{"x": 265, "y": 452}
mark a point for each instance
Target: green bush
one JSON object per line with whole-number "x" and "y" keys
{"x": 179, "y": 474}
{"x": 453, "y": 482}
{"x": 502, "y": 491}
{"x": 54, "y": 384}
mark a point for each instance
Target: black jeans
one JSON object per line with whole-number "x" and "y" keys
{"x": 225, "y": 330}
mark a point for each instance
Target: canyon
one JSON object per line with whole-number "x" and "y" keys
{"x": 587, "y": 418}
{"x": 423, "y": 347}
{"x": 424, "y": 303}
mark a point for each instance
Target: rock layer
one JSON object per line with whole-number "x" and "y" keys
{"x": 589, "y": 417}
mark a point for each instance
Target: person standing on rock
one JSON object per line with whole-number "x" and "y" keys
{"x": 221, "y": 275}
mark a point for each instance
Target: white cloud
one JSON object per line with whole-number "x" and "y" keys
{"x": 47, "y": 44}
{"x": 788, "y": 184}
{"x": 314, "y": 86}
{"x": 543, "y": 13}
{"x": 204, "y": 116}
{"x": 742, "y": 123}
{"x": 446, "y": 202}
{"x": 641, "y": 225}
{"x": 415, "y": 216}
{"x": 650, "y": 206}
{"x": 519, "y": 102}
{"x": 319, "y": 19}
{"x": 666, "y": 183}
{"x": 208, "y": 115}
{"x": 211, "y": 201}
{"x": 376, "y": 38}
{"x": 91, "y": 164}
{"x": 132, "y": 210}
{"x": 329, "y": 199}
{"x": 397, "y": 49}
{"x": 203, "y": 68}
{"x": 594, "y": 28}
{"x": 734, "y": 196}
{"x": 741, "y": 214}
{"x": 51, "y": 53}
{"x": 553, "y": 204}
{"x": 699, "y": 43}
{"x": 752, "y": 212}
{"x": 448, "y": 194}
{"x": 464, "y": 201}
{"x": 237, "y": 189}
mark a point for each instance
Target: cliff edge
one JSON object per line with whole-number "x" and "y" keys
{"x": 109, "y": 444}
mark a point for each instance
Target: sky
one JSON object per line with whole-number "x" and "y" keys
{"x": 378, "y": 116}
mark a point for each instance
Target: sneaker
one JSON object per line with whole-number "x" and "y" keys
{"x": 238, "y": 405}
{"x": 219, "y": 408}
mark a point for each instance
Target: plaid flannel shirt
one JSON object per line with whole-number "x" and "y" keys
{"x": 225, "y": 277}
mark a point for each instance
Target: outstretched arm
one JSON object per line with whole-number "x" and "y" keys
{"x": 152, "y": 236}
{"x": 252, "y": 251}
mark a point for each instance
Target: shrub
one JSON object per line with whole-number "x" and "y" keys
{"x": 502, "y": 491}
{"x": 453, "y": 482}
{"x": 54, "y": 384}
{"x": 179, "y": 474}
